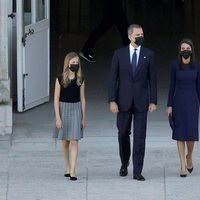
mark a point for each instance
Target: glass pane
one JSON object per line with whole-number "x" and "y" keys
{"x": 27, "y": 12}
{"x": 40, "y": 10}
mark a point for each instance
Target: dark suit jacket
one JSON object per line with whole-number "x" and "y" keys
{"x": 126, "y": 88}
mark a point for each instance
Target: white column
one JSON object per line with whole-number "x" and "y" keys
{"x": 5, "y": 100}
{"x": 3, "y": 40}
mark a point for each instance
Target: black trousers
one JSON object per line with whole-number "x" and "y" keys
{"x": 124, "y": 121}
{"x": 113, "y": 15}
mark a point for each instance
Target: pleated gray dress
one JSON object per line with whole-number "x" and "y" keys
{"x": 70, "y": 112}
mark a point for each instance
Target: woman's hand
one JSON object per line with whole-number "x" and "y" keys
{"x": 169, "y": 111}
{"x": 59, "y": 123}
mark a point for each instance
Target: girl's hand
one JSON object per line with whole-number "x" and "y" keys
{"x": 59, "y": 123}
{"x": 169, "y": 111}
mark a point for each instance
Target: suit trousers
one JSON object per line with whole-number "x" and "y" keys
{"x": 110, "y": 18}
{"x": 124, "y": 121}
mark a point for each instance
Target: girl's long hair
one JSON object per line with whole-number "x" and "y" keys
{"x": 65, "y": 75}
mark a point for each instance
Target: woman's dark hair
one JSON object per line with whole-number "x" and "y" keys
{"x": 192, "y": 60}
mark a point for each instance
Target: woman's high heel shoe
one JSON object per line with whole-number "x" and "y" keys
{"x": 183, "y": 173}
{"x": 189, "y": 169}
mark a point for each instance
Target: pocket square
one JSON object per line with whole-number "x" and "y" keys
{"x": 171, "y": 121}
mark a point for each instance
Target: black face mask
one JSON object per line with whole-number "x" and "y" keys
{"x": 185, "y": 53}
{"x": 74, "y": 67}
{"x": 139, "y": 40}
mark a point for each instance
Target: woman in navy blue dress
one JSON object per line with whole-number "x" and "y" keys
{"x": 183, "y": 103}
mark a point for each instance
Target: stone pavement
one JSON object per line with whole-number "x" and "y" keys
{"x": 32, "y": 165}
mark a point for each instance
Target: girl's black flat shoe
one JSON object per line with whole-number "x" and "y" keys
{"x": 73, "y": 178}
{"x": 67, "y": 175}
{"x": 183, "y": 175}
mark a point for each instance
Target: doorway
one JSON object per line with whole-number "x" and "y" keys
{"x": 30, "y": 53}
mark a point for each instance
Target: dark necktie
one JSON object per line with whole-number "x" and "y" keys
{"x": 134, "y": 61}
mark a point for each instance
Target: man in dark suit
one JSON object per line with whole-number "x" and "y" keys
{"x": 132, "y": 92}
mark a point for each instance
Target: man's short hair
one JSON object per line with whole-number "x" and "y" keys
{"x": 131, "y": 27}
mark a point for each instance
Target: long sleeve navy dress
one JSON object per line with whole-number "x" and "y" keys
{"x": 184, "y": 97}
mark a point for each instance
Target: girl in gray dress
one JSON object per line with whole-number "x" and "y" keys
{"x": 69, "y": 106}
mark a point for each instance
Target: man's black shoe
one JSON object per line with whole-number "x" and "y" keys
{"x": 139, "y": 177}
{"x": 88, "y": 57}
{"x": 123, "y": 171}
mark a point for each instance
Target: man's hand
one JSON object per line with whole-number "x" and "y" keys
{"x": 169, "y": 111}
{"x": 113, "y": 107}
{"x": 152, "y": 107}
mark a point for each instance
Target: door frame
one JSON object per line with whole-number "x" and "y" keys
{"x": 21, "y": 49}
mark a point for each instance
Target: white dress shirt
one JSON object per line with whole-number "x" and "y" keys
{"x": 131, "y": 50}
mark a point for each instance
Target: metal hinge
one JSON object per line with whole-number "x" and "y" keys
{"x": 11, "y": 15}
{"x": 24, "y": 76}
